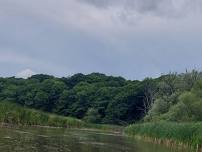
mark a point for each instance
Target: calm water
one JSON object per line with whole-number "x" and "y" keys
{"x": 59, "y": 140}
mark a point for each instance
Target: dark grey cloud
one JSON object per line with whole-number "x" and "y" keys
{"x": 139, "y": 5}
{"x": 165, "y": 8}
{"x": 100, "y": 3}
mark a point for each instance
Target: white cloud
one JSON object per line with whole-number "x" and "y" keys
{"x": 25, "y": 74}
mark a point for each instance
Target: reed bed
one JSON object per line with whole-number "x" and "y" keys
{"x": 11, "y": 113}
{"x": 169, "y": 133}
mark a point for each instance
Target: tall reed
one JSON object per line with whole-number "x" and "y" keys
{"x": 11, "y": 113}
{"x": 187, "y": 134}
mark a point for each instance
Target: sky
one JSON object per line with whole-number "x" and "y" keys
{"x": 129, "y": 38}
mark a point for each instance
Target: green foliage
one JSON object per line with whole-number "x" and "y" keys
{"x": 189, "y": 108}
{"x": 92, "y": 116}
{"x": 159, "y": 107}
{"x": 183, "y": 103}
{"x": 114, "y": 99}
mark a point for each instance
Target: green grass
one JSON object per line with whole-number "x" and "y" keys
{"x": 11, "y": 113}
{"x": 187, "y": 133}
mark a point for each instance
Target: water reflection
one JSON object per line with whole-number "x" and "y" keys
{"x": 61, "y": 140}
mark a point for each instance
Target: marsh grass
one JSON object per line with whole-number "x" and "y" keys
{"x": 179, "y": 134}
{"x": 11, "y": 113}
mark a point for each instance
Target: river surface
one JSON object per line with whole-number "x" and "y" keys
{"x": 70, "y": 140}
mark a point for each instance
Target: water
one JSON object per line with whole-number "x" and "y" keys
{"x": 68, "y": 140}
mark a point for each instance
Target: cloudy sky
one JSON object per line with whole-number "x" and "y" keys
{"x": 130, "y": 38}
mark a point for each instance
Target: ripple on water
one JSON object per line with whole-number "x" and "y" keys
{"x": 44, "y": 136}
{"x": 92, "y": 143}
{"x": 7, "y": 137}
{"x": 23, "y": 132}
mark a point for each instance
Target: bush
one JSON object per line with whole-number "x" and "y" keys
{"x": 92, "y": 116}
{"x": 159, "y": 107}
{"x": 189, "y": 108}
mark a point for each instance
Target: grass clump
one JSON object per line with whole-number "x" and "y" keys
{"x": 189, "y": 134}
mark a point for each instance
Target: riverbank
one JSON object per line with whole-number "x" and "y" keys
{"x": 182, "y": 135}
{"x": 13, "y": 115}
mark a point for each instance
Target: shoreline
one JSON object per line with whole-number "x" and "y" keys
{"x": 93, "y": 129}
{"x": 8, "y": 125}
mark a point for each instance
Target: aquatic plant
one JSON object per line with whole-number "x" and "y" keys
{"x": 184, "y": 134}
{"x": 11, "y": 113}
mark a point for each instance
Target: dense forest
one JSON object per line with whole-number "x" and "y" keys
{"x": 98, "y": 98}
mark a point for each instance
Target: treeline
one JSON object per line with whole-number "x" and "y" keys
{"x": 98, "y": 98}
